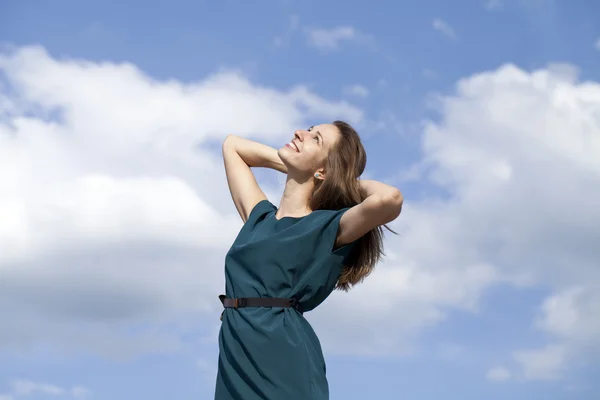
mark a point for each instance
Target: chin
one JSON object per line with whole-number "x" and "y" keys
{"x": 286, "y": 151}
{"x": 284, "y": 154}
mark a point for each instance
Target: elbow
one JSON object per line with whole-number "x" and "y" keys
{"x": 229, "y": 142}
{"x": 393, "y": 198}
{"x": 393, "y": 203}
{"x": 229, "y": 139}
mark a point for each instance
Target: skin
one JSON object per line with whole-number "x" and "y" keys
{"x": 382, "y": 203}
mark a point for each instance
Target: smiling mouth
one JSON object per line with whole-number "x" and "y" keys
{"x": 293, "y": 146}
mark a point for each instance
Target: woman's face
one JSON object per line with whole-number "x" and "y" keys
{"x": 307, "y": 152}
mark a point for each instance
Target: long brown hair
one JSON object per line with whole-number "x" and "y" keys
{"x": 345, "y": 164}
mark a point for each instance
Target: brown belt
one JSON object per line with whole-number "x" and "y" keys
{"x": 258, "y": 302}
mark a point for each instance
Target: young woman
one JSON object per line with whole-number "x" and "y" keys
{"x": 326, "y": 234}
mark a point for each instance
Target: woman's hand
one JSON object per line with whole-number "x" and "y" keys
{"x": 371, "y": 188}
{"x": 255, "y": 154}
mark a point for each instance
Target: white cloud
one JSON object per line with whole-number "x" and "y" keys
{"x": 406, "y": 285}
{"x": 512, "y": 149}
{"x": 6, "y": 397}
{"x": 597, "y": 44}
{"x": 442, "y": 26}
{"x": 356, "y": 90}
{"x": 498, "y": 374}
{"x": 330, "y": 39}
{"x": 566, "y": 314}
{"x": 114, "y": 208}
{"x": 569, "y": 317}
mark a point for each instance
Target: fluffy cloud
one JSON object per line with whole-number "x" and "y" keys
{"x": 568, "y": 317}
{"x": 517, "y": 154}
{"x": 113, "y": 201}
{"x": 515, "y": 158}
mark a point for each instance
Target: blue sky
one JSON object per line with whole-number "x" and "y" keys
{"x": 485, "y": 113}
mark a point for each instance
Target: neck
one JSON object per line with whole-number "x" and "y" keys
{"x": 295, "y": 201}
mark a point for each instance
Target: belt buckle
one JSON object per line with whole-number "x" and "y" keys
{"x": 239, "y": 303}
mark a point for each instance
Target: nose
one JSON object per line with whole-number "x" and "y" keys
{"x": 300, "y": 134}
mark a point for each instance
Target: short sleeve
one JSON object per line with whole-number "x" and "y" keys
{"x": 330, "y": 232}
{"x": 259, "y": 212}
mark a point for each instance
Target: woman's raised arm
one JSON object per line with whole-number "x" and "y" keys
{"x": 239, "y": 155}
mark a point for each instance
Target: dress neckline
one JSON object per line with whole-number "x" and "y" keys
{"x": 289, "y": 217}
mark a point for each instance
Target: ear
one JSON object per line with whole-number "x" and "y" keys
{"x": 320, "y": 175}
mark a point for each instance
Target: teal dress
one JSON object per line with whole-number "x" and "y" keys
{"x": 273, "y": 353}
